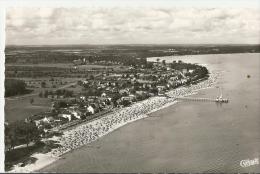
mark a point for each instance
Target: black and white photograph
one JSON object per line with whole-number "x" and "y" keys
{"x": 131, "y": 86}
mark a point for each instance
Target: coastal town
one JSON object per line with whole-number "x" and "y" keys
{"x": 102, "y": 93}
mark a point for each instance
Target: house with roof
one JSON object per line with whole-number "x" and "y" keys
{"x": 103, "y": 94}
{"x": 140, "y": 92}
{"x": 44, "y": 120}
{"x": 124, "y": 91}
{"x": 91, "y": 109}
{"x": 65, "y": 114}
{"x": 76, "y": 114}
{"x": 160, "y": 87}
{"x": 184, "y": 71}
{"x": 82, "y": 97}
{"x": 77, "y": 62}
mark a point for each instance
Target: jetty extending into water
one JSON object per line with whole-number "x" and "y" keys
{"x": 218, "y": 99}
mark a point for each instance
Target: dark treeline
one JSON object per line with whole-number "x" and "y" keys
{"x": 15, "y": 87}
{"x": 199, "y": 71}
{"x": 21, "y": 132}
{"x": 179, "y": 65}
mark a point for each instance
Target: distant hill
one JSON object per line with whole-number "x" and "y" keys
{"x": 68, "y": 53}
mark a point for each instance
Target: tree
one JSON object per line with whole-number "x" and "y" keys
{"x": 68, "y": 93}
{"x": 154, "y": 90}
{"x": 91, "y": 77}
{"x": 83, "y": 117}
{"x": 32, "y": 100}
{"x": 157, "y": 59}
{"x": 80, "y": 83}
{"x": 41, "y": 94}
{"x": 13, "y": 141}
{"x": 164, "y": 62}
{"x": 60, "y": 104}
{"x": 125, "y": 103}
{"x": 46, "y": 93}
{"x": 58, "y": 92}
{"x": 21, "y": 132}
{"x": 149, "y": 65}
{"x": 115, "y": 97}
{"x": 124, "y": 94}
{"x": 43, "y": 84}
{"x": 15, "y": 87}
{"x": 31, "y": 132}
{"x": 133, "y": 90}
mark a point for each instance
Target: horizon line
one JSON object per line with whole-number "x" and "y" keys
{"x": 37, "y": 45}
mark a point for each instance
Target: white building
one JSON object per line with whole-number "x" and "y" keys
{"x": 76, "y": 114}
{"x": 83, "y": 98}
{"x": 103, "y": 94}
{"x": 68, "y": 116}
{"x": 91, "y": 109}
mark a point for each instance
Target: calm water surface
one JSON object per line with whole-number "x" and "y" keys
{"x": 188, "y": 136}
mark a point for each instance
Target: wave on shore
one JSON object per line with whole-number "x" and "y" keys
{"x": 91, "y": 131}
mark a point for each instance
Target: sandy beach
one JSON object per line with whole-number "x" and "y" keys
{"x": 89, "y": 132}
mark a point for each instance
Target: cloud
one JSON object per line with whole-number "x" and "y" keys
{"x": 115, "y": 25}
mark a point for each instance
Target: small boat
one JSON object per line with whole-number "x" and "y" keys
{"x": 220, "y": 99}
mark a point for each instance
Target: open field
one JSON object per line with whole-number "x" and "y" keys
{"x": 66, "y": 65}
{"x": 92, "y": 66}
{"x": 21, "y": 108}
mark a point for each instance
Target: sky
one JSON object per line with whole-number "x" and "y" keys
{"x": 112, "y": 24}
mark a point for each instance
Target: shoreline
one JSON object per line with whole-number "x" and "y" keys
{"x": 84, "y": 134}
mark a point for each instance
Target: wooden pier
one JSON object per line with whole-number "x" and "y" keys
{"x": 218, "y": 99}
{"x": 202, "y": 99}
{"x": 196, "y": 99}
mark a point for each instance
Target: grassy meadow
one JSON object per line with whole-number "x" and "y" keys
{"x": 20, "y": 108}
